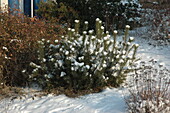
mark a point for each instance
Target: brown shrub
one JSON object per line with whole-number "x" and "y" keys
{"x": 18, "y": 47}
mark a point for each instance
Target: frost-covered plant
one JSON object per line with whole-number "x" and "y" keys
{"x": 18, "y": 47}
{"x": 88, "y": 60}
{"x": 158, "y": 24}
{"x": 116, "y": 13}
{"x": 55, "y": 11}
{"x": 150, "y": 91}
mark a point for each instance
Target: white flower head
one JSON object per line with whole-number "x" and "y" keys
{"x": 69, "y": 29}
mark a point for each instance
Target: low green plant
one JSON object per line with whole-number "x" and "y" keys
{"x": 83, "y": 61}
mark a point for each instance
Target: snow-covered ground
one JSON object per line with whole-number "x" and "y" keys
{"x": 108, "y": 101}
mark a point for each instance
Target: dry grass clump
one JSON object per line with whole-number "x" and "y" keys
{"x": 150, "y": 91}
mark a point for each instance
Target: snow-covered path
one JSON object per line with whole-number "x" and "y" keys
{"x": 108, "y": 101}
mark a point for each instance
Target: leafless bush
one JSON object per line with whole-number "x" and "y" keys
{"x": 158, "y": 22}
{"x": 150, "y": 91}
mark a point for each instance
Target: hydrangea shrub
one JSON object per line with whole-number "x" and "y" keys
{"x": 87, "y": 60}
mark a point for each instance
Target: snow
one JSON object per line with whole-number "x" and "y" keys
{"x": 108, "y": 101}
{"x": 92, "y": 103}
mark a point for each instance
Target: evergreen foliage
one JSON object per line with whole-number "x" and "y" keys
{"x": 114, "y": 12}
{"x": 51, "y": 10}
{"x": 83, "y": 61}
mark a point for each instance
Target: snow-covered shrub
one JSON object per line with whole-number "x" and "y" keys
{"x": 150, "y": 91}
{"x": 88, "y": 60}
{"x": 115, "y": 13}
{"x": 158, "y": 22}
{"x": 18, "y": 37}
{"x": 56, "y": 12}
